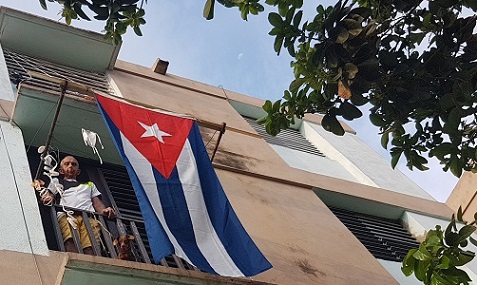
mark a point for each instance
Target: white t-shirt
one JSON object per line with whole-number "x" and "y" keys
{"x": 79, "y": 197}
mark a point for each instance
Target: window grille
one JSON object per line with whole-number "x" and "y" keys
{"x": 384, "y": 238}
{"x": 123, "y": 197}
{"x": 288, "y": 138}
{"x": 19, "y": 64}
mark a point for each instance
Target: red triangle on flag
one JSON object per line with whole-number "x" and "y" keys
{"x": 159, "y": 137}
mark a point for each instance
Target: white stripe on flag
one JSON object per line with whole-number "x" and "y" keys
{"x": 205, "y": 234}
{"x": 144, "y": 171}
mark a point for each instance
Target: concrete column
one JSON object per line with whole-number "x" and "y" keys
{"x": 20, "y": 224}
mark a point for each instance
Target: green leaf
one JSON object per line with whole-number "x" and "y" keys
{"x": 453, "y": 121}
{"x": 455, "y": 167}
{"x": 463, "y": 258}
{"x": 437, "y": 279}
{"x": 287, "y": 95}
{"x": 43, "y": 4}
{"x": 460, "y": 215}
{"x": 465, "y": 232}
{"x": 137, "y": 31}
{"x": 297, "y": 19}
{"x": 395, "y": 158}
{"x": 420, "y": 269}
{"x": 451, "y": 239}
{"x": 275, "y": 20}
{"x": 408, "y": 262}
{"x": 296, "y": 84}
{"x": 140, "y": 13}
{"x": 276, "y": 106}
{"x": 385, "y": 140}
{"x": 376, "y": 120}
{"x": 80, "y": 12}
{"x": 349, "y": 111}
{"x": 278, "y": 44}
{"x": 421, "y": 254}
{"x": 331, "y": 124}
{"x": 262, "y": 120}
{"x": 445, "y": 263}
{"x": 267, "y": 106}
{"x": 208, "y": 12}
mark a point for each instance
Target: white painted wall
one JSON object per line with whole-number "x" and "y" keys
{"x": 394, "y": 268}
{"x": 313, "y": 163}
{"x": 335, "y": 153}
{"x": 361, "y": 161}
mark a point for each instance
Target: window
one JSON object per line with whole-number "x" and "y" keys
{"x": 288, "y": 138}
{"x": 18, "y": 64}
{"x": 384, "y": 238}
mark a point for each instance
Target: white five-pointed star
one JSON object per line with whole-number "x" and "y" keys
{"x": 153, "y": 131}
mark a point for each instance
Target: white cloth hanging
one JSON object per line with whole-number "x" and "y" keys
{"x": 89, "y": 138}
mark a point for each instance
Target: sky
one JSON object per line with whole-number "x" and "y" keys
{"x": 228, "y": 52}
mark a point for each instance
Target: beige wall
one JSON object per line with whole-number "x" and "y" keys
{"x": 300, "y": 236}
{"x": 464, "y": 195}
{"x": 21, "y": 268}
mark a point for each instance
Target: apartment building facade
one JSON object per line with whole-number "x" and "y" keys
{"x": 322, "y": 209}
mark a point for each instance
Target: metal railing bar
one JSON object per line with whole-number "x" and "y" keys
{"x": 56, "y": 226}
{"x": 107, "y": 238}
{"x": 76, "y": 239}
{"x": 140, "y": 244}
{"x": 94, "y": 243}
{"x": 178, "y": 261}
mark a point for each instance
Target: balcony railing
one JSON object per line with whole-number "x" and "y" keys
{"x": 111, "y": 229}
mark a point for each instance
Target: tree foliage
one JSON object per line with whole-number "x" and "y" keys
{"x": 118, "y": 15}
{"x": 438, "y": 257}
{"x": 412, "y": 61}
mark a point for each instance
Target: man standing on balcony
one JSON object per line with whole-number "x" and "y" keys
{"x": 82, "y": 196}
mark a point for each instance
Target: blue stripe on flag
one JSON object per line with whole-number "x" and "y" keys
{"x": 235, "y": 239}
{"x": 177, "y": 218}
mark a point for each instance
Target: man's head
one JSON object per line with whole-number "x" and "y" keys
{"x": 69, "y": 167}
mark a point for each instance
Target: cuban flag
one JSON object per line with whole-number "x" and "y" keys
{"x": 185, "y": 209}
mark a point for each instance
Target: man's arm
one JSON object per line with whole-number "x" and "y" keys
{"x": 48, "y": 197}
{"x": 102, "y": 209}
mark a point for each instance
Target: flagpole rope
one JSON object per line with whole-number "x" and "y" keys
{"x": 225, "y": 93}
{"x": 18, "y": 64}
{"x": 211, "y": 138}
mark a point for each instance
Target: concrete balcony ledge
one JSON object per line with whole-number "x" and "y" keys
{"x": 85, "y": 269}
